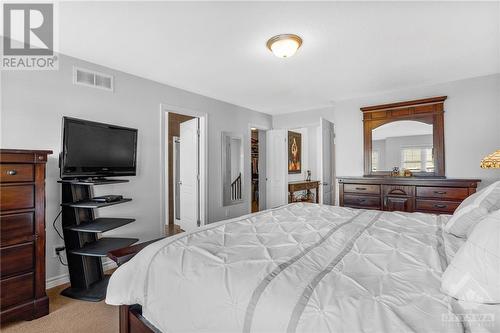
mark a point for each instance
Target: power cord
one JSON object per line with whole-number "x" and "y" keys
{"x": 60, "y": 260}
{"x": 60, "y": 236}
{"x": 54, "y": 225}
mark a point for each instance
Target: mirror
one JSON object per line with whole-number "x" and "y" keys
{"x": 232, "y": 169}
{"x": 405, "y": 144}
{"x": 407, "y": 135}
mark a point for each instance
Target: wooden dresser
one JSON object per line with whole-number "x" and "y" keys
{"x": 22, "y": 247}
{"x": 428, "y": 195}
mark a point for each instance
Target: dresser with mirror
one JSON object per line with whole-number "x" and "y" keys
{"x": 404, "y": 161}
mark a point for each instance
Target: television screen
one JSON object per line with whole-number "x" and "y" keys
{"x": 96, "y": 150}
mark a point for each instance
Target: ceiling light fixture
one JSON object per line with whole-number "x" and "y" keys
{"x": 284, "y": 46}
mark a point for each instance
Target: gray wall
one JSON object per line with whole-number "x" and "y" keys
{"x": 34, "y": 102}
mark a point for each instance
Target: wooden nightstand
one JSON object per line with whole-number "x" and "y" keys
{"x": 121, "y": 256}
{"x": 303, "y": 186}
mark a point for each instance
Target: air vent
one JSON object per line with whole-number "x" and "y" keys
{"x": 86, "y": 77}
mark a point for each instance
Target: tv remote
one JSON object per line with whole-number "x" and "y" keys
{"x": 108, "y": 198}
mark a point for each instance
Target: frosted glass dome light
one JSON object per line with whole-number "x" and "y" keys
{"x": 284, "y": 46}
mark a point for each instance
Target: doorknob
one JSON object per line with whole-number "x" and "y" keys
{"x": 324, "y": 183}
{"x": 180, "y": 183}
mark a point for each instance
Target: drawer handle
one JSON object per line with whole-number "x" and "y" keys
{"x": 361, "y": 200}
{"x": 12, "y": 172}
{"x": 440, "y": 206}
{"x": 361, "y": 188}
{"x": 439, "y": 192}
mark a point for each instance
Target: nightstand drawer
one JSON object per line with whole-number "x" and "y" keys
{"x": 362, "y": 201}
{"x": 446, "y": 207}
{"x": 10, "y": 173}
{"x": 361, "y": 188}
{"x": 452, "y": 193}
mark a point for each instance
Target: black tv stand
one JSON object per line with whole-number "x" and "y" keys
{"x": 84, "y": 249}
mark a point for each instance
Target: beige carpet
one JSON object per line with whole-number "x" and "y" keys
{"x": 70, "y": 316}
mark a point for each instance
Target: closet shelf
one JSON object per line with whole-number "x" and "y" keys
{"x": 101, "y": 224}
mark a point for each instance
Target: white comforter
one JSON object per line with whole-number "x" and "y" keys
{"x": 298, "y": 268}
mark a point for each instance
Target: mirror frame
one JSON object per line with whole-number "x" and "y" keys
{"x": 428, "y": 110}
{"x": 227, "y": 201}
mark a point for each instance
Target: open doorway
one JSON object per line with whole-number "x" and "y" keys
{"x": 258, "y": 169}
{"x": 183, "y": 171}
{"x": 184, "y": 182}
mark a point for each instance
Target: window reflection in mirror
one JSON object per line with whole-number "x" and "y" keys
{"x": 404, "y": 144}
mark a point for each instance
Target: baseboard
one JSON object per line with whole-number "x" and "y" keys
{"x": 64, "y": 278}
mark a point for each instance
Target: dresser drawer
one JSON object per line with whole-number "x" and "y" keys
{"x": 16, "y": 290}
{"x": 16, "y": 173}
{"x": 361, "y": 201}
{"x": 16, "y": 259}
{"x": 16, "y": 228}
{"x": 17, "y": 197}
{"x": 360, "y": 188}
{"x": 446, "y": 207}
{"x": 451, "y": 193}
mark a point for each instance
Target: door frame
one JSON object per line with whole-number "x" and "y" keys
{"x": 332, "y": 162}
{"x": 175, "y": 169}
{"x": 285, "y": 169}
{"x": 260, "y": 127}
{"x": 203, "y": 158}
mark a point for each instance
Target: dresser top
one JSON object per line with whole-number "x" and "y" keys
{"x": 423, "y": 181}
{"x": 25, "y": 151}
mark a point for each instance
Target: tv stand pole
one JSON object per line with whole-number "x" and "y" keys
{"x": 84, "y": 249}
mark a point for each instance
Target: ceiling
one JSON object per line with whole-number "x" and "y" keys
{"x": 350, "y": 49}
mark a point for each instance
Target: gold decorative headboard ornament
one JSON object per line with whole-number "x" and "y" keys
{"x": 492, "y": 161}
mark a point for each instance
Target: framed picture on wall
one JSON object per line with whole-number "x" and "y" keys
{"x": 294, "y": 152}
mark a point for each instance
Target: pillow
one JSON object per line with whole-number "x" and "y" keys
{"x": 473, "y": 209}
{"x": 474, "y": 273}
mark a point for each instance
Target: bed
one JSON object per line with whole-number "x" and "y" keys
{"x": 299, "y": 268}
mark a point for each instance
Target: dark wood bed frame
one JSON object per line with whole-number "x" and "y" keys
{"x": 131, "y": 319}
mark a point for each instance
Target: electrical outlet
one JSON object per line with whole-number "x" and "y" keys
{"x": 227, "y": 212}
{"x": 57, "y": 250}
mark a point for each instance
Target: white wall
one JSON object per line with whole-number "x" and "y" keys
{"x": 307, "y": 123}
{"x": 33, "y": 103}
{"x": 306, "y": 118}
{"x": 472, "y": 122}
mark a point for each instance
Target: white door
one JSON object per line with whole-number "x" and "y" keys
{"x": 327, "y": 164}
{"x": 276, "y": 168}
{"x": 189, "y": 175}
{"x": 262, "y": 170}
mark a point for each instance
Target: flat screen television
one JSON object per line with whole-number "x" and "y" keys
{"x": 91, "y": 149}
